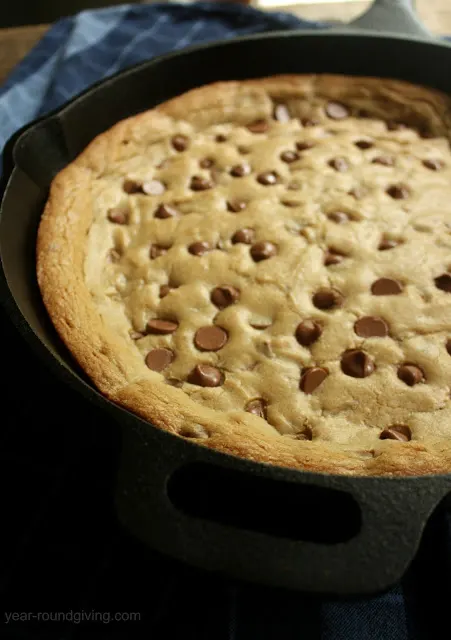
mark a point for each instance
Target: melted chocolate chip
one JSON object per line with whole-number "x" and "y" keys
{"x": 308, "y": 332}
{"x": 199, "y": 248}
{"x": 132, "y": 186}
{"x": 339, "y": 164}
{"x": 240, "y": 170}
{"x": 370, "y": 327}
{"x": 443, "y": 282}
{"x": 263, "y": 251}
{"x": 119, "y": 214}
{"x": 164, "y": 290}
{"x": 311, "y": 379}
{"x": 156, "y": 250}
{"x": 165, "y": 211}
{"x": 258, "y": 126}
{"x": 199, "y": 183}
{"x": 410, "y": 374}
{"x": 180, "y": 142}
{"x": 206, "y": 163}
{"x": 433, "y": 164}
{"x": 332, "y": 257}
{"x": 211, "y": 338}
{"x": 398, "y": 191}
{"x": 386, "y": 287}
{"x": 385, "y": 161}
{"x": 289, "y": 156}
{"x": 304, "y": 145}
{"x": 153, "y": 188}
{"x": 356, "y": 363}
{"x": 203, "y": 375}
{"x": 340, "y": 217}
{"x": 400, "y": 432}
{"x": 224, "y": 296}
{"x": 268, "y": 178}
{"x": 387, "y": 243}
{"x": 448, "y": 346}
{"x": 364, "y": 144}
{"x": 235, "y": 206}
{"x": 257, "y": 407}
{"x": 245, "y": 236}
{"x": 327, "y": 299}
{"x": 336, "y": 110}
{"x": 221, "y": 138}
{"x": 161, "y": 327}
{"x": 159, "y": 359}
{"x": 281, "y": 113}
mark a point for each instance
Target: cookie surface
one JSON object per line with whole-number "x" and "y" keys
{"x": 265, "y": 267}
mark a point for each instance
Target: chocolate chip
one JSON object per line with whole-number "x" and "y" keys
{"x": 206, "y": 163}
{"x": 448, "y": 346}
{"x": 398, "y": 191}
{"x": 199, "y": 248}
{"x": 245, "y": 236}
{"x": 281, "y": 113}
{"x": 443, "y": 282}
{"x": 311, "y": 378}
{"x": 258, "y": 126}
{"x": 198, "y": 183}
{"x": 161, "y": 327}
{"x": 240, "y": 170}
{"x": 221, "y": 138}
{"x": 336, "y": 110}
{"x": 164, "y": 290}
{"x": 180, "y": 142}
{"x": 224, "y": 296}
{"x": 385, "y": 161}
{"x": 327, "y": 299}
{"x": 203, "y": 375}
{"x": 364, "y": 144}
{"x": 394, "y": 125}
{"x": 263, "y": 251}
{"x": 165, "y": 211}
{"x": 433, "y": 164}
{"x": 235, "y": 206}
{"x": 400, "y": 432}
{"x": 386, "y": 287}
{"x": 268, "y": 178}
{"x": 132, "y": 186}
{"x": 159, "y": 359}
{"x": 333, "y": 257}
{"x": 304, "y": 145}
{"x": 387, "y": 243}
{"x": 308, "y": 332}
{"x": 310, "y": 122}
{"x": 153, "y": 188}
{"x": 119, "y": 214}
{"x": 410, "y": 374}
{"x": 257, "y": 407}
{"x": 340, "y": 217}
{"x": 339, "y": 164}
{"x": 289, "y": 156}
{"x": 210, "y": 338}
{"x": 371, "y": 327}
{"x": 356, "y": 363}
{"x": 156, "y": 250}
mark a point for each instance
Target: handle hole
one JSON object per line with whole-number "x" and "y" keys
{"x": 254, "y": 503}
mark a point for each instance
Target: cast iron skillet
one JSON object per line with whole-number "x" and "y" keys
{"x": 314, "y": 532}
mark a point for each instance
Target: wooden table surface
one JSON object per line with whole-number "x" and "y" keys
{"x": 436, "y": 14}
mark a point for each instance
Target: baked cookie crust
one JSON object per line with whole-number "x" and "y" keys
{"x": 264, "y": 267}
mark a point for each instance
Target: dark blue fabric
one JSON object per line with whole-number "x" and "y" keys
{"x": 80, "y": 50}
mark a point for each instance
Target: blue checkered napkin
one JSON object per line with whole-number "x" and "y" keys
{"x": 80, "y": 50}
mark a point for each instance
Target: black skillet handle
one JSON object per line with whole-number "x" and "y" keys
{"x": 311, "y": 532}
{"x": 394, "y": 16}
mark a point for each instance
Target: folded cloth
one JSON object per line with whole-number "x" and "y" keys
{"x": 80, "y": 50}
